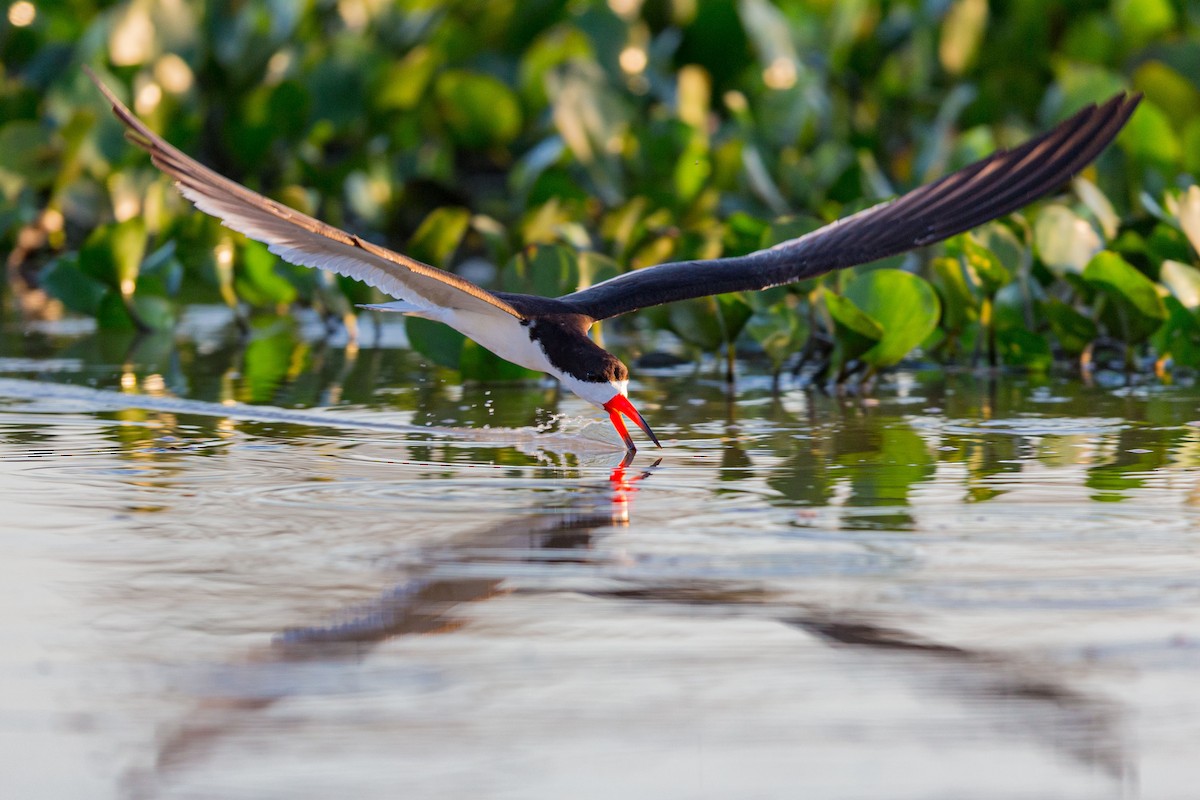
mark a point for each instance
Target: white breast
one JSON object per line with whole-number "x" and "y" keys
{"x": 504, "y": 335}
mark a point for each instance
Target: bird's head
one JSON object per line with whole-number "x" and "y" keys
{"x": 603, "y": 381}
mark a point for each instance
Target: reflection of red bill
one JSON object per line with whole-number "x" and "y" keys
{"x": 620, "y": 405}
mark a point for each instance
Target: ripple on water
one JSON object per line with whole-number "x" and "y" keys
{"x": 1001, "y": 521}
{"x": 1025, "y": 425}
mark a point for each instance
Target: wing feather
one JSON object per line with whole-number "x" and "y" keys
{"x": 978, "y": 193}
{"x": 300, "y": 239}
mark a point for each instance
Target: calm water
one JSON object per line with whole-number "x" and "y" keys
{"x": 296, "y": 569}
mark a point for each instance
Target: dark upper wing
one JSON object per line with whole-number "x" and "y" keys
{"x": 300, "y": 239}
{"x": 983, "y": 191}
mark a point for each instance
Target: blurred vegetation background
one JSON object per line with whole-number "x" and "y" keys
{"x": 540, "y": 145}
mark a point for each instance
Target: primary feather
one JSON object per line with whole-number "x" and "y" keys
{"x": 300, "y": 239}
{"x": 979, "y": 193}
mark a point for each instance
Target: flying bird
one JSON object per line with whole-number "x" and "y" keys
{"x": 551, "y": 334}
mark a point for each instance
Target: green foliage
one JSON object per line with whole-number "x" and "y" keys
{"x": 1134, "y": 307}
{"x": 588, "y": 138}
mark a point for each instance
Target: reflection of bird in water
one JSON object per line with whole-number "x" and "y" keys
{"x": 1018, "y": 698}
{"x": 551, "y": 334}
{"x": 424, "y": 603}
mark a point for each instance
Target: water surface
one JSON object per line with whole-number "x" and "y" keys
{"x": 298, "y": 568}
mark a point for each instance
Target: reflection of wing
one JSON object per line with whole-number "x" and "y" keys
{"x": 983, "y": 191}
{"x": 300, "y": 239}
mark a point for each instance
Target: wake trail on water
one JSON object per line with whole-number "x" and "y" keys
{"x": 89, "y": 400}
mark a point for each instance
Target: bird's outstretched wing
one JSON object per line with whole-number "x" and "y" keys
{"x": 300, "y": 239}
{"x": 983, "y": 191}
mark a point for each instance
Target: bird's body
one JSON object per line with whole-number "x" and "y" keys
{"x": 551, "y": 334}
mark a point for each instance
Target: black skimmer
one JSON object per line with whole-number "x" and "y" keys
{"x": 551, "y": 334}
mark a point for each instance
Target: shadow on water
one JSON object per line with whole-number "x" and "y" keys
{"x": 1029, "y": 701}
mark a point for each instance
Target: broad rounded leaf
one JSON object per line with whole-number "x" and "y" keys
{"x": 1073, "y": 330}
{"x": 905, "y": 306}
{"x": 1138, "y": 306}
{"x": 1020, "y": 347}
{"x": 64, "y": 280}
{"x": 853, "y": 329}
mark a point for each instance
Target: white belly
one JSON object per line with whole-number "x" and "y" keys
{"x": 505, "y": 336}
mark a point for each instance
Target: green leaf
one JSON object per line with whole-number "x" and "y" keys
{"x": 1080, "y": 84}
{"x": 1168, "y": 90}
{"x": 692, "y": 169}
{"x": 258, "y": 282}
{"x": 904, "y": 305}
{"x": 981, "y": 263}
{"x": 1021, "y": 347}
{"x": 960, "y": 306}
{"x": 440, "y": 343}
{"x": 1148, "y": 136}
{"x": 1191, "y": 145}
{"x": 883, "y": 472}
{"x": 1135, "y": 299}
{"x": 1004, "y": 244}
{"x": 854, "y": 331}
{"x": 64, "y": 280}
{"x": 543, "y": 270}
{"x": 735, "y": 312}
{"x": 1073, "y": 330}
{"x": 113, "y": 254}
{"x": 153, "y": 312}
{"x": 1142, "y": 20}
{"x": 780, "y": 331}
{"x": 404, "y": 82}
{"x": 268, "y": 357}
{"x": 555, "y": 46}
{"x": 479, "y": 110}
{"x": 1179, "y": 337}
{"x": 1167, "y": 242}
{"x": 26, "y": 151}
{"x": 112, "y": 313}
{"x": 709, "y": 322}
{"x": 439, "y": 235}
